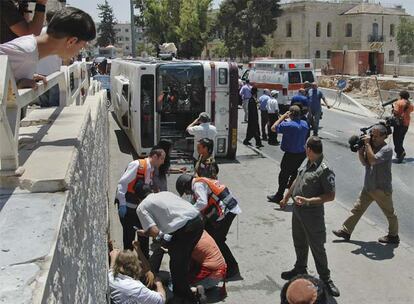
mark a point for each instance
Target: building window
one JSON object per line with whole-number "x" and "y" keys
{"x": 328, "y": 54}
{"x": 126, "y": 30}
{"x": 288, "y": 54}
{"x": 391, "y": 56}
{"x": 318, "y": 54}
{"x": 288, "y": 28}
{"x": 348, "y": 30}
{"x": 375, "y": 29}
{"x": 329, "y": 30}
{"x": 318, "y": 29}
{"x": 392, "y": 30}
{"x": 126, "y": 38}
{"x": 127, "y": 47}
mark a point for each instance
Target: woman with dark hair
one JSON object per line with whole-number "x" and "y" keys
{"x": 160, "y": 174}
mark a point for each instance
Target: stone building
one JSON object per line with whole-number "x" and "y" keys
{"x": 313, "y": 29}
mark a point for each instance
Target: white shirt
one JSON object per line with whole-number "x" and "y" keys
{"x": 23, "y": 56}
{"x": 49, "y": 64}
{"x": 203, "y": 130}
{"x": 166, "y": 210}
{"x": 126, "y": 290}
{"x": 202, "y": 191}
{"x": 272, "y": 106}
{"x": 129, "y": 175}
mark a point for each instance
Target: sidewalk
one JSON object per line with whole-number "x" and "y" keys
{"x": 365, "y": 271}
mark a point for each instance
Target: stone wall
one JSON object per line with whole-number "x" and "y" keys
{"x": 54, "y": 221}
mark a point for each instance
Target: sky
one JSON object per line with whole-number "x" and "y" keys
{"x": 122, "y": 7}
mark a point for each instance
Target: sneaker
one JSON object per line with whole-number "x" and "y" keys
{"x": 275, "y": 198}
{"x": 389, "y": 239}
{"x": 201, "y": 295}
{"x": 288, "y": 275}
{"x": 332, "y": 289}
{"x": 342, "y": 234}
{"x": 259, "y": 146}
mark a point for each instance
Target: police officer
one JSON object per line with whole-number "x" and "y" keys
{"x": 314, "y": 186}
{"x": 139, "y": 171}
{"x": 219, "y": 209}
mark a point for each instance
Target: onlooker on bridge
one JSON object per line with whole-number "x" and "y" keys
{"x": 402, "y": 111}
{"x": 46, "y": 66}
{"x": 138, "y": 172}
{"x": 124, "y": 280}
{"x": 315, "y": 108}
{"x": 294, "y": 133}
{"x": 219, "y": 209}
{"x": 206, "y": 165}
{"x": 13, "y": 19}
{"x": 313, "y": 187}
{"x": 263, "y": 112}
{"x": 201, "y": 127}
{"x": 67, "y": 33}
{"x": 376, "y": 157}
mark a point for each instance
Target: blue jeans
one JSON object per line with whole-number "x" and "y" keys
{"x": 50, "y": 98}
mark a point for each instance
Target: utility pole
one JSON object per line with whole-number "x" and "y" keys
{"x": 134, "y": 47}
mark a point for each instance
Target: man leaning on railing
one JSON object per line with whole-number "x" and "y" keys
{"x": 67, "y": 33}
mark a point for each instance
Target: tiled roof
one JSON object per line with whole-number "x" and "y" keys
{"x": 375, "y": 9}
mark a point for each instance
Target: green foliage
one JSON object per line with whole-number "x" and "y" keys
{"x": 220, "y": 50}
{"x": 106, "y": 27}
{"x": 147, "y": 48}
{"x": 405, "y": 37}
{"x": 183, "y": 22}
{"x": 245, "y": 23}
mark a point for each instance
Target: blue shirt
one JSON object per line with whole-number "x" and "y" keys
{"x": 299, "y": 98}
{"x": 246, "y": 92}
{"x": 315, "y": 97}
{"x": 263, "y": 102}
{"x": 294, "y": 135}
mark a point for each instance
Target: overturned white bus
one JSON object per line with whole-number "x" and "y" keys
{"x": 156, "y": 100}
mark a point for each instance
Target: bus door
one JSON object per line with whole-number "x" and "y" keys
{"x": 144, "y": 120}
{"x": 180, "y": 99}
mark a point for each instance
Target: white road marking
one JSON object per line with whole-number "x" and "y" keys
{"x": 329, "y": 133}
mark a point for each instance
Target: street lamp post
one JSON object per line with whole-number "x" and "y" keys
{"x": 134, "y": 49}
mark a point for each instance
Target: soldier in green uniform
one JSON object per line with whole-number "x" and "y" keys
{"x": 206, "y": 165}
{"x": 314, "y": 186}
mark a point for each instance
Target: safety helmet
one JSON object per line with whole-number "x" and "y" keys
{"x": 183, "y": 183}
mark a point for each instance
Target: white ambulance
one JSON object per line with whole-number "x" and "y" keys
{"x": 285, "y": 75}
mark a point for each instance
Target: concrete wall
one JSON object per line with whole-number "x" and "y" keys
{"x": 53, "y": 233}
{"x": 401, "y": 70}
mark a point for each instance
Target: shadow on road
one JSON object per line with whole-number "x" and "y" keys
{"x": 372, "y": 250}
{"x": 406, "y": 160}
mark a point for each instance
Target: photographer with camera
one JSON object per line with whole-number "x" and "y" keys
{"x": 14, "y": 19}
{"x": 401, "y": 112}
{"x": 376, "y": 156}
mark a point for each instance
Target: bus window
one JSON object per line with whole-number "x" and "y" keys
{"x": 147, "y": 111}
{"x": 307, "y": 76}
{"x": 222, "y": 76}
{"x": 294, "y": 77}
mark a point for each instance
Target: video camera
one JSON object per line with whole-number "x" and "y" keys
{"x": 357, "y": 142}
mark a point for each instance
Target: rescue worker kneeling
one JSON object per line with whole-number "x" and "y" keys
{"x": 219, "y": 208}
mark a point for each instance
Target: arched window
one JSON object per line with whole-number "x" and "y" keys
{"x": 318, "y": 54}
{"x": 391, "y": 56}
{"x": 328, "y": 54}
{"x": 318, "y": 29}
{"x": 329, "y": 30}
{"x": 288, "y": 28}
{"x": 348, "y": 30}
{"x": 375, "y": 29}
{"x": 288, "y": 54}
{"x": 392, "y": 30}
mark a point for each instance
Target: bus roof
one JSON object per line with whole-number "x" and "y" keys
{"x": 281, "y": 64}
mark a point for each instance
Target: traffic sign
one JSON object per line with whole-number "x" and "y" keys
{"x": 341, "y": 84}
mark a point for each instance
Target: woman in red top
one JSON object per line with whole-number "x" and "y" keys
{"x": 402, "y": 110}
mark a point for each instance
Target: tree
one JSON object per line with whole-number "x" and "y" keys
{"x": 245, "y": 23}
{"x": 106, "y": 27}
{"x": 405, "y": 37}
{"x": 183, "y": 22}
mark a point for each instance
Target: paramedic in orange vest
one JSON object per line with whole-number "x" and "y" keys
{"x": 219, "y": 209}
{"x": 138, "y": 171}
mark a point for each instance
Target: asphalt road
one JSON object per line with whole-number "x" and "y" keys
{"x": 336, "y": 128}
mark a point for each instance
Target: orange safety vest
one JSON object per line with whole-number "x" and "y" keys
{"x": 219, "y": 194}
{"x": 142, "y": 169}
